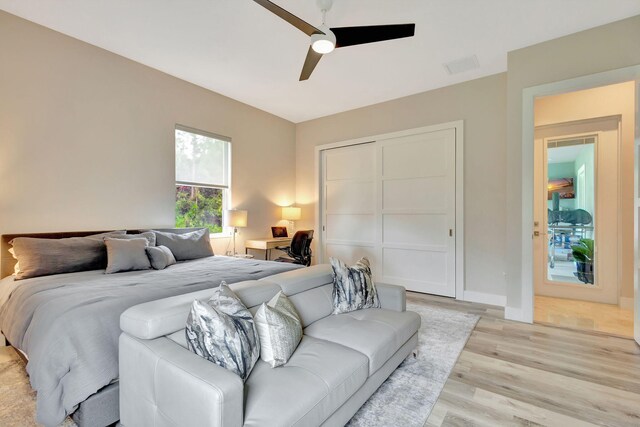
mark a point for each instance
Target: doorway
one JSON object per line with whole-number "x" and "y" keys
{"x": 583, "y": 210}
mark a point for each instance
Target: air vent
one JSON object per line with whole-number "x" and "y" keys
{"x": 462, "y": 65}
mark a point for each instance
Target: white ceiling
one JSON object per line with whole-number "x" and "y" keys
{"x": 239, "y": 49}
{"x": 565, "y": 154}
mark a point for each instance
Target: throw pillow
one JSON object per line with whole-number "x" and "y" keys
{"x": 279, "y": 328}
{"x": 42, "y": 257}
{"x": 160, "y": 256}
{"x": 149, "y": 235}
{"x": 353, "y": 287}
{"x": 126, "y": 255}
{"x": 192, "y": 245}
{"x": 222, "y": 331}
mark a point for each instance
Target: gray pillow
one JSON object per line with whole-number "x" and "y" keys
{"x": 126, "y": 255}
{"x": 149, "y": 235}
{"x": 192, "y": 245}
{"x": 279, "y": 328}
{"x": 353, "y": 287}
{"x": 222, "y": 331}
{"x": 42, "y": 257}
{"x": 160, "y": 256}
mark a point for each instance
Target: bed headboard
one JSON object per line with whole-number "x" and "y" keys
{"x": 7, "y": 262}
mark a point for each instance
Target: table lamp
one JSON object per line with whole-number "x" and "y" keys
{"x": 236, "y": 218}
{"x": 291, "y": 214}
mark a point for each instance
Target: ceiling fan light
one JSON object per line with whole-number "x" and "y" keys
{"x": 323, "y": 46}
{"x": 323, "y": 43}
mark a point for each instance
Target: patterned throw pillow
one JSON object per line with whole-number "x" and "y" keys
{"x": 279, "y": 328}
{"x": 353, "y": 287}
{"x": 222, "y": 331}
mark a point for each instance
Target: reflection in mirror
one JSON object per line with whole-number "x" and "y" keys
{"x": 571, "y": 210}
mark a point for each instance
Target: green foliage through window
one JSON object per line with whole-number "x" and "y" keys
{"x": 199, "y": 207}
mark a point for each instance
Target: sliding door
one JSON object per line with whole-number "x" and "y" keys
{"x": 418, "y": 212}
{"x": 393, "y": 200}
{"x": 349, "y": 204}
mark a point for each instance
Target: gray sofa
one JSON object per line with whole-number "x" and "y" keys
{"x": 340, "y": 362}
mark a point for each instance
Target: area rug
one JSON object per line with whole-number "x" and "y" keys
{"x": 17, "y": 399}
{"x": 407, "y": 397}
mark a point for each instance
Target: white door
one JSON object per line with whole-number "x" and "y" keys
{"x": 417, "y": 208}
{"x": 596, "y": 191}
{"x": 393, "y": 201}
{"x": 349, "y": 204}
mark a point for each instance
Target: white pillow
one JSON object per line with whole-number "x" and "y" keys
{"x": 279, "y": 328}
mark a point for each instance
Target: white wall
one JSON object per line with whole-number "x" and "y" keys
{"x": 87, "y": 139}
{"x": 482, "y": 105}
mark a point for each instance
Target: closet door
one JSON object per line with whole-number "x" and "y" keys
{"x": 417, "y": 212}
{"x": 349, "y": 204}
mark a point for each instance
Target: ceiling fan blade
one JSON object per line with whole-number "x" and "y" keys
{"x": 303, "y": 26}
{"x": 351, "y": 36}
{"x": 310, "y": 63}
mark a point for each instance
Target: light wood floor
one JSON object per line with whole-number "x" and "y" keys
{"x": 584, "y": 315}
{"x": 515, "y": 374}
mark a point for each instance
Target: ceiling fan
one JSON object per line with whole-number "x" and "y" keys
{"x": 324, "y": 39}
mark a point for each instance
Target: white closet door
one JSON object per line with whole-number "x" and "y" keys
{"x": 349, "y": 204}
{"x": 417, "y": 206}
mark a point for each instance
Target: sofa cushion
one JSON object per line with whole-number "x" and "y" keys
{"x": 314, "y": 304}
{"x": 317, "y": 380}
{"x": 374, "y": 332}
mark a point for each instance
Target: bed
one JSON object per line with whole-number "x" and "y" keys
{"x": 67, "y": 325}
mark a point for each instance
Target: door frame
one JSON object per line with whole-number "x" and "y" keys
{"x": 458, "y": 126}
{"x": 621, "y": 75}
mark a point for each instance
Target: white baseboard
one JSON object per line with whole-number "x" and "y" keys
{"x": 484, "y": 298}
{"x": 625, "y": 303}
{"x": 512, "y": 313}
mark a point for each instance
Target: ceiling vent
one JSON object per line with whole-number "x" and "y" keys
{"x": 462, "y": 65}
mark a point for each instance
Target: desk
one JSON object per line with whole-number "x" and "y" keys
{"x": 266, "y": 244}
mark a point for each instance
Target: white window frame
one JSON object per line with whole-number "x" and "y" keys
{"x": 226, "y": 195}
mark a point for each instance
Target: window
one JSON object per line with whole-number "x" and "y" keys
{"x": 202, "y": 179}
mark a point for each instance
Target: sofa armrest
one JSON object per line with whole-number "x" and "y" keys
{"x": 163, "y": 383}
{"x": 392, "y": 297}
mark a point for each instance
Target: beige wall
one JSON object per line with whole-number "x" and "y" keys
{"x": 482, "y": 105}
{"x": 612, "y": 100}
{"x": 87, "y": 139}
{"x": 596, "y": 50}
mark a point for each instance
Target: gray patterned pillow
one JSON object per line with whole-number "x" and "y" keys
{"x": 353, "y": 287}
{"x": 222, "y": 331}
{"x": 279, "y": 328}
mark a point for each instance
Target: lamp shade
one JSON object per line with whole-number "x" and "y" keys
{"x": 237, "y": 218}
{"x": 290, "y": 213}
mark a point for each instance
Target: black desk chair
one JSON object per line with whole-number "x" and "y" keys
{"x": 299, "y": 252}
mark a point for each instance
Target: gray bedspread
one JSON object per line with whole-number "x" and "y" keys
{"x": 68, "y": 324}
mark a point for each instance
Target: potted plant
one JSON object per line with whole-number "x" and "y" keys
{"x": 583, "y": 255}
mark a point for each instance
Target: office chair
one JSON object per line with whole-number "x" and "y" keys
{"x": 299, "y": 252}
